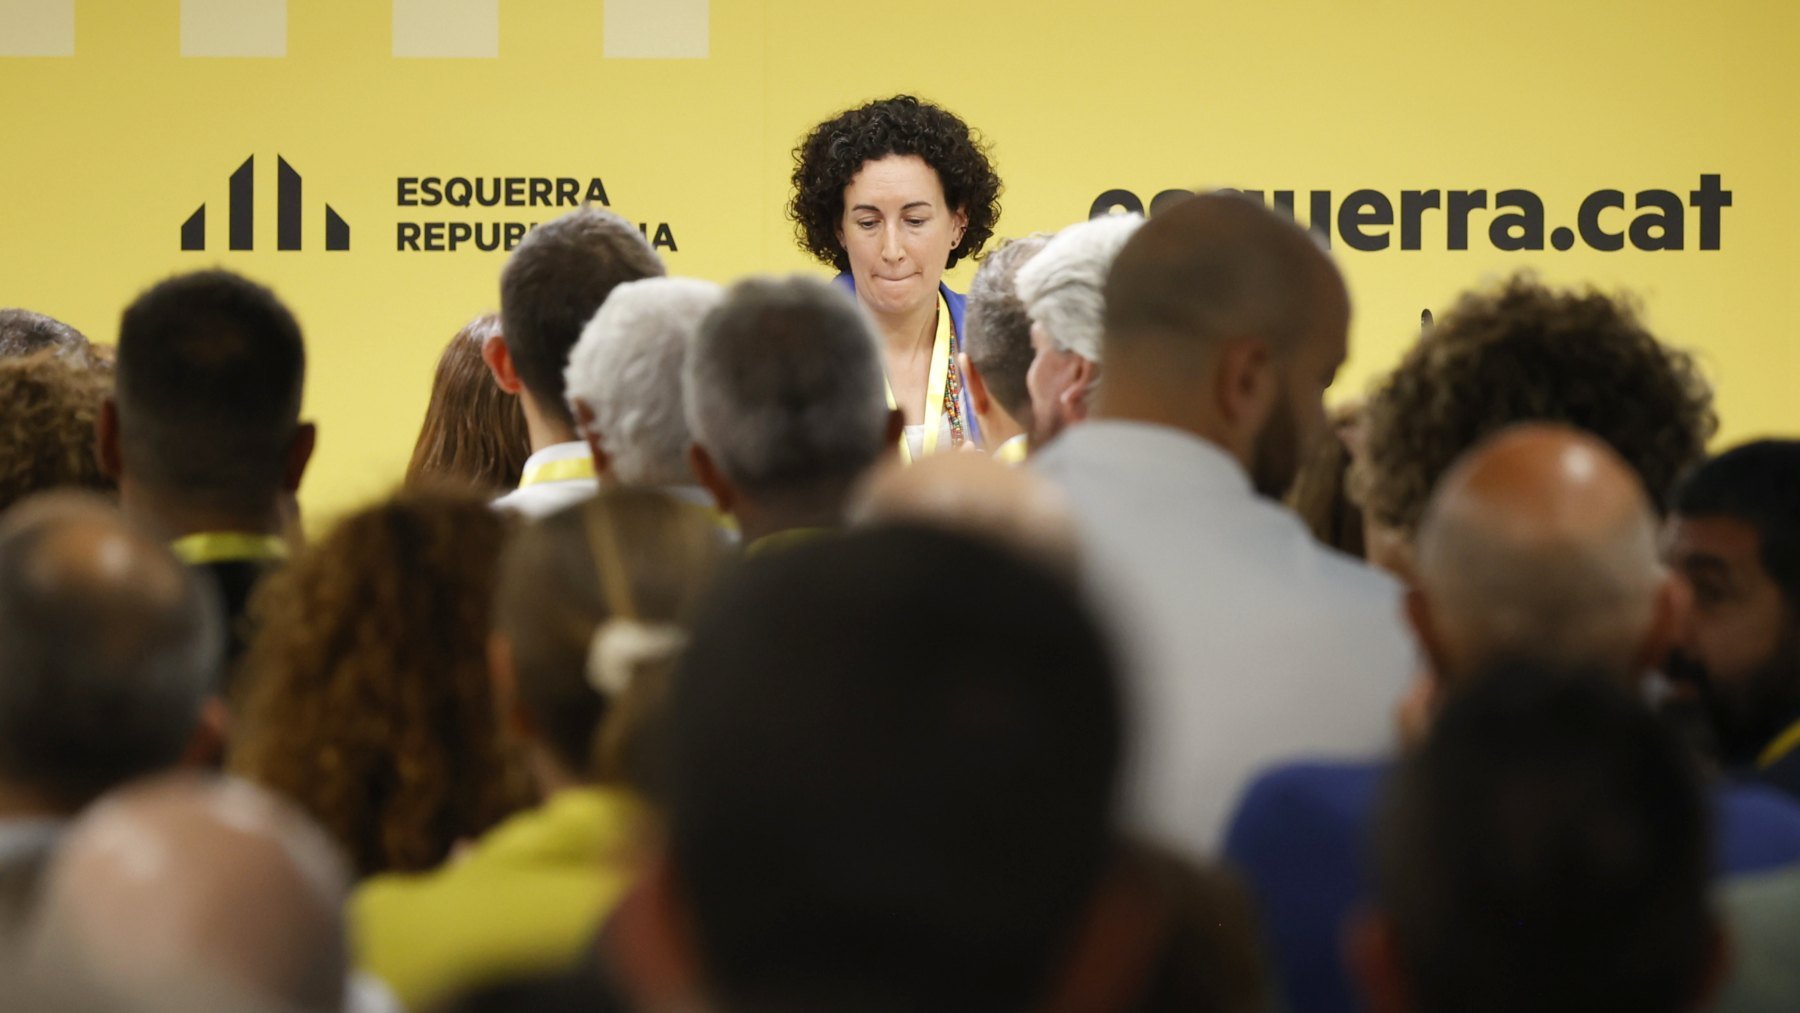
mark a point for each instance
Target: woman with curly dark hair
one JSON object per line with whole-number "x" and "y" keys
{"x": 892, "y": 194}
{"x": 366, "y": 690}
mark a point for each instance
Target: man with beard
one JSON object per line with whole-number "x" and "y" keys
{"x": 1735, "y": 535}
{"x": 1246, "y": 641}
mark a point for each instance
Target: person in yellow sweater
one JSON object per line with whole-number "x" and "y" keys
{"x": 586, "y": 627}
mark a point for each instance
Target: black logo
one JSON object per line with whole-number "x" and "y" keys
{"x": 242, "y": 213}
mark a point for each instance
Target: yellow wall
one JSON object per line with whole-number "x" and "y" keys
{"x": 108, "y": 151}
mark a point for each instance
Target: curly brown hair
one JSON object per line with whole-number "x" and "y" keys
{"x": 367, "y": 695}
{"x": 474, "y": 432}
{"x": 47, "y": 429}
{"x": 831, "y": 156}
{"x": 1524, "y": 352}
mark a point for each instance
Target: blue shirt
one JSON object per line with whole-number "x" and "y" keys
{"x": 1300, "y": 838}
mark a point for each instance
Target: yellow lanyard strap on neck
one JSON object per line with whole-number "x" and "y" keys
{"x": 565, "y": 470}
{"x": 937, "y": 388}
{"x": 228, "y": 547}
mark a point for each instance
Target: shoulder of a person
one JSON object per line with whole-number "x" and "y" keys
{"x": 1304, "y": 800}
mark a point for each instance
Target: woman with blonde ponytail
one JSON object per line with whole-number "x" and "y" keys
{"x": 589, "y": 619}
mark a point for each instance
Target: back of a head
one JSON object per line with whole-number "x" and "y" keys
{"x": 554, "y": 599}
{"x": 978, "y": 496}
{"x": 1547, "y": 850}
{"x": 108, "y": 650}
{"x": 1757, "y": 483}
{"x": 1062, "y": 287}
{"x": 474, "y": 433}
{"x": 862, "y": 817}
{"x": 1540, "y": 544}
{"x": 47, "y": 432}
{"x": 209, "y": 376}
{"x": 996, "y": 328}
{"x": 554, "y": 282}
{"x": 198, "y": 887}
{"x": 1205, "y": 271}
{"x": 627, "y": 371}
{"x": 783, "y": 386}
{"x": 23, "y": 332}
{"x": 1523, "y": 352}
{"x": 368, "y": 699}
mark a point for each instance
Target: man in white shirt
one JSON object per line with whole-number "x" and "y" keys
{"x": 1246, "y": 641}
{"x": 554, "y": 282}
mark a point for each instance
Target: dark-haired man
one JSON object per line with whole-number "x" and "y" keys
{"x": 203, "y": 432}
{"x": 552, "y": 285}
{"x": 109, "y": 652}
{"x": 1735, "y": 535}
{"x": 1546, "y": 850}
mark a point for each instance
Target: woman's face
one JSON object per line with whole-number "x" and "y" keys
{"x": 898, "y": 233}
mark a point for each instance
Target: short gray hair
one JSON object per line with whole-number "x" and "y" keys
{"x": 1063, "y": 286}
{"x": 783, "y": 386}
{"x": 627, "y": 369}
{"x": 996, "y": 327}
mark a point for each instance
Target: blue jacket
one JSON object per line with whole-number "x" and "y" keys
{"x": 958, "y": 304}
{"x": 1300, "y": 835}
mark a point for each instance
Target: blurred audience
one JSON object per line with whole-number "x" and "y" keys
{"x": 1538, "y": 548}
{"x": 1247, "y": 641}
{"x": 997, "y": 350}
{"x": 109, "y": 656}
{"x": 1545, "y": 850}
{"x": 202, "y": 891}
{"x": 474, "y": 432}
{"x": 23, "y": 332}
{"x": 1321, "y": 490}
{"x": 367, "y": 698}
{"x": 1063, "y": 289}
{"x": 978, "y": 496}
{"x": 590, "y": 611}
{"x": 624, "y": 383}
{"x": 203, "y": 432}
{"x": 1521, "y": 353}
{"x": 47, "y": 433}
{"x": 554, "y": 282}
{"x": 784, "y": 396}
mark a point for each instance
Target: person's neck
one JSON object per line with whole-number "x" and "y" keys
{"x": 907, "y": 332}
{"x": 818, "y": 508}
{"x": 175, "y": 516}
{"x": 997, "y": 427}
{"x": 18, "y": 802}
{"x": 547, "y": 773}
{"x": 543, "y": 428}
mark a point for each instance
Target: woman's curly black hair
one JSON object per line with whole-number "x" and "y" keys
{"x": 1520, "y": 353}
{"x": 830, "y": 156}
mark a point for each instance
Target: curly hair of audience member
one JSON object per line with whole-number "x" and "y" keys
{"x": 47, "y": 430}
{"x": 368, "y": 698}
{"x": 1524, "y": 352}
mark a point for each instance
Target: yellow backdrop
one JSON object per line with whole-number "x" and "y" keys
{"x": 117, "y": 129}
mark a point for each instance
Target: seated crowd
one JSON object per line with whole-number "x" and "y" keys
{"x": 681, "y": 674}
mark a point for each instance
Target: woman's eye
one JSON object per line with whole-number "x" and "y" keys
{"x": 915, "y": 222}
{"x": 865, "y": 225}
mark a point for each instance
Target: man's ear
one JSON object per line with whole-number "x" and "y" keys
{"x": 211, "y": 736}
{"x": 1374, "y": 960}
{"x": 706, "y": 472}
{"x": 106, "y": 440}
{"x": 1424, "y": 625}
{"x": 499, "y": 362}
{"x": 1075, "y": 398}
{"x": 1245, "y": 384}
{"x": 299, "y": 452}
{"x": 974, "y": 383}
{"x": 584, "y": 426}
{"x": 650, "y": 941}
{"x": 1670, "y": 614}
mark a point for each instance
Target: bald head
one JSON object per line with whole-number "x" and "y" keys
{"x": 974, "y": 495}
{"x": 1212, "y": 269}
{"x": 108, "y": 650}
{"x": 199, "y": 884}
{"x": 1540, "y": 545}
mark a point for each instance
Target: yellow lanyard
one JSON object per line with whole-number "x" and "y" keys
{"x": 228, "y": 547}
{"x": 939, "y": 382}
{"x": 1783, "y": 745}
{"x": 567, "y": 469}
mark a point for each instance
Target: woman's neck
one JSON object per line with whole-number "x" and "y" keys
{"x": 908, "y": 332}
